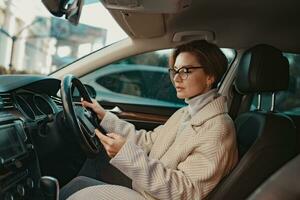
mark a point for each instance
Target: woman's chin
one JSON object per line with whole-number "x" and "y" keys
{"x": 181, "y": 96}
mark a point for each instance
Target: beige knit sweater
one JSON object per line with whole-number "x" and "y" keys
{"x": 165, "y": 165}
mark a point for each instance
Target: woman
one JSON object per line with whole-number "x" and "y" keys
{"x": 187, "y": 156}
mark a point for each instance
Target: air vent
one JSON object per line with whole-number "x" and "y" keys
{"x": 6, "y": 101}
{"x": 57, "y": 100}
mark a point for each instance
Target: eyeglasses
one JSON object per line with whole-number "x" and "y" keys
{"x": 183, "y": 72}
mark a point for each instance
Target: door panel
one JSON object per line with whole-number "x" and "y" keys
{"x": 142, "y": 116}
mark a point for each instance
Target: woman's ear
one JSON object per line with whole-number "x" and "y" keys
{"x": 210, "y": 81}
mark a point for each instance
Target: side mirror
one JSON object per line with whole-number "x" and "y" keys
{"x": 70, "y": 8}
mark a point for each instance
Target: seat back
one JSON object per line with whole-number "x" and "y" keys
{"x": 266, "y": 139}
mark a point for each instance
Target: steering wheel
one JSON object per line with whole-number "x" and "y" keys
{"x": 81, "y": 121}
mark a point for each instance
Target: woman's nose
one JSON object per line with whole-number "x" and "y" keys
{"x": 177, "y": 78}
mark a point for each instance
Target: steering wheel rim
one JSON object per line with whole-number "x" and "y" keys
{"x": 81, "y": 121}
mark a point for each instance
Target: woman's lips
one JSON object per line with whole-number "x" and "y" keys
{"x": 179, "y": 89}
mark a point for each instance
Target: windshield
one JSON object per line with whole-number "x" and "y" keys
{"x": 33, "y": 41}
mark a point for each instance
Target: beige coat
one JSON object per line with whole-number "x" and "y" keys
{"x": 164, "y": 164}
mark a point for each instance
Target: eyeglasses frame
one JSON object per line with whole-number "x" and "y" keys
{"x": 187, "y": 67}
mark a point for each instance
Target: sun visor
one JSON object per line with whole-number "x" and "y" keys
{"x": 149, "y": 6}
{"x": 140, "y": 25}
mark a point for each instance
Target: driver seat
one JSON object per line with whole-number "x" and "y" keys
{"x": 266, "y": 139}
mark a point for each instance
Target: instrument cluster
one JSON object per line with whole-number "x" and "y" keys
{"x": 34, "y": 105}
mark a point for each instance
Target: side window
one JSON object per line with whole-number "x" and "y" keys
{"x": 126, "y": 83}
{"x": 141, "y": 79}
{"x": 286, "y": 101}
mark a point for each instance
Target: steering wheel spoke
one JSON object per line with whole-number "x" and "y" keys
{"x": 84, "y": 116}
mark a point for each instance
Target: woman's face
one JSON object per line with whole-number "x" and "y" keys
{"x": 197, "y": 82}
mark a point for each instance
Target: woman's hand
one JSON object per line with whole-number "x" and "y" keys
{"x": 112, "y": 142}
{"x": 95, "y": 106}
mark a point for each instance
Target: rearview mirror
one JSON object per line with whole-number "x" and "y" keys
{"x": 70, "y": 8}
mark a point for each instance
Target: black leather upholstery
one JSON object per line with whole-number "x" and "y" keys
{"x": 266, "y": 140}
{"x": 263, "y": 68}
{"x": 284, "y": 184}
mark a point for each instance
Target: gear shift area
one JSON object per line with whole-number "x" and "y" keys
{"x": 49, "y": 188}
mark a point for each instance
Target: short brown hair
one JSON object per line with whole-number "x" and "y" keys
{"x": 209, "y": 55}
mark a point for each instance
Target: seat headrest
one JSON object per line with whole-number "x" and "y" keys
{"x": 262, "y": 68}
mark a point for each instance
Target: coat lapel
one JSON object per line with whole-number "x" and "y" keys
{"x": 212, "y": 109}
{"x": 167, "y": 136}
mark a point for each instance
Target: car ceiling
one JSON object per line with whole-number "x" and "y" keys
{"x": 233, "y": 23}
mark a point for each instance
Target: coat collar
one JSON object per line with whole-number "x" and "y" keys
{"x": 216, "y": 107}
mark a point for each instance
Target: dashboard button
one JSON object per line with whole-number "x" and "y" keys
{"x": 29, "y": 183}
{"x": 9, "y": 196}
{"x": 18, "y": 163}
{"x": 2, "y": 161}
{"x": 21, "y": 190}
{"x": 29, "y": 147}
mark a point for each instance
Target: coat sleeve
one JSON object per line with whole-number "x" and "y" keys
{"x": 194, "y": 177}
{"x": 143, "y": 138}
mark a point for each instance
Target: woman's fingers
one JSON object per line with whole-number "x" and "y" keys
{"x": 95, "y": 102}
{"x": 105, "y": 142}
{"x": 87, "y": 104}
{"x": 103, "y": 138}
{"x": 95, "y": 106}
{"x": 112, "y": 142}
{"x": 113, "y": 135}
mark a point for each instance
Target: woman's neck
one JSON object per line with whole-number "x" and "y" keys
{"x": 196, "y": 103}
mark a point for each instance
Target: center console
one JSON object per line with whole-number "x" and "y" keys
{"x": 19, "y": 171}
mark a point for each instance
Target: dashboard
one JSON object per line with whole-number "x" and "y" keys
{"x": 29, "y": 109}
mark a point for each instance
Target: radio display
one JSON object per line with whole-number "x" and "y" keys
{"x": 11, "y": 145}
